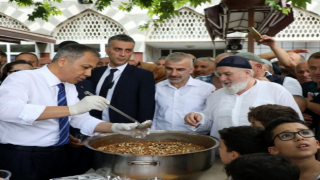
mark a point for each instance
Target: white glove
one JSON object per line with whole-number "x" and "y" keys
{"x": 145, "y": 124}
{"x": 89, "y": 103}
{"x": 129, "y": 129}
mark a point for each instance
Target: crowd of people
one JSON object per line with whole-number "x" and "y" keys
{"x": 265, "y": 114}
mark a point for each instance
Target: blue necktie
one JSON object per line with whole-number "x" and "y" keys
{"x": 63, "y": 121}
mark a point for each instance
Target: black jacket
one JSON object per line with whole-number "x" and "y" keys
{"x": 134, "y": 94}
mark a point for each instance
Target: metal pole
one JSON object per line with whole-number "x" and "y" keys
{"x": 250, "y": 24}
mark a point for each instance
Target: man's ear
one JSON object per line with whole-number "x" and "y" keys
{"x": 273, "y": 150}
{"x": 62, "y": 61}
{"x": 235, "y": 154}
{"x": 248, "y": 72}
{"x": 191, "y": 70}
{"x": 258, "y": 65}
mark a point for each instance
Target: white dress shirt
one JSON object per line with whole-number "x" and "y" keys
{"x": 116, "y": 77}
{"x": 173, "y": 104}
{"x": 291, "y": 84}
{"x": 23, "y": 97}
{"x": 225, "y": 110}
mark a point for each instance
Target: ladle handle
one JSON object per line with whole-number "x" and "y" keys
{"x": 115, "y": 109}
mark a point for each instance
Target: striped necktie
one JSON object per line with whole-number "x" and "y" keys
{"x": 63, "y": 121}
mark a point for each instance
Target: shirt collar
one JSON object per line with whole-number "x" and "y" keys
{"x": 210, "y": 75}
{"x": 192, "y": 82}
{"x": 51, "y": 79}
{"x": 120, "y": 68}
{"x": 268, "y": 74}
{"x": 313, "y": 87}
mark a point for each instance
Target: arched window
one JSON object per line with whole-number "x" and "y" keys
{"x": 190, "y": 25}
{"x": 306, "y": 26}
{"x": 88, "y": 26}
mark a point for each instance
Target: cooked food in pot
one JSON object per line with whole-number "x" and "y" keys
{"x": 151, "y": 148}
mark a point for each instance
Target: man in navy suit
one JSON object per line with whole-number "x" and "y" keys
{"x": 132, "y": 90}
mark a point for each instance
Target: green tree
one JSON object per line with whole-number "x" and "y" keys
{"x": 280, "y": 4}
{"x": 42, "y": 9}
{"x": 158, "y": 10}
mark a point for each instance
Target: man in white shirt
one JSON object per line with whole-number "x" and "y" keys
{"x": 229, "y": 106}
{"x": 179, "y": 94}
{"x": 34, "y": 125}
{"x": 291, "y": 84}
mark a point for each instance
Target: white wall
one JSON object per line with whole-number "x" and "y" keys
{"x": 152, "y": 54}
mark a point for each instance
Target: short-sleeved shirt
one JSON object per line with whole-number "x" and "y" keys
{"x": 311, "y": 87}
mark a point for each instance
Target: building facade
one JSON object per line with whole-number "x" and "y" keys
{"x": 187, "y": 33}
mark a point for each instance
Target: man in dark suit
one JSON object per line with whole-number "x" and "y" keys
{"x": 130, "y": 89}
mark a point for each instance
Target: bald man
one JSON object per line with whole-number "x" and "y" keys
{"x": 44, "y": 61}
{"x": 103, "y": 62}
{"x": 29, "y": 57}
{"x": 302, "y": 72}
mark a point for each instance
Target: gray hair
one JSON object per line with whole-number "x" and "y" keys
{"x": 301, "y": 57}
{"x": 252, "y": 72}
{"x": 295, "y": 69}
{"x": 205, "y": 59}
{"x": 74, "y": 51}
{"x": 179, "y": 56}
{"x": 162, "y": 57}
{"x": 120, "y": 37}
{"x": 224, "y": 54}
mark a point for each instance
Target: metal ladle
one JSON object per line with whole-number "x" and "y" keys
{"x": 143, "y": 125}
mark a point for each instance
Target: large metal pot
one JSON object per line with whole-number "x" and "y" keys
{"x": 180, "y": 166}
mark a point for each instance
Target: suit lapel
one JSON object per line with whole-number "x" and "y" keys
{"x": 98, "y": 74}
{"x": 123, "y": 80}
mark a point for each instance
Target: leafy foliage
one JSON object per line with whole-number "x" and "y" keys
{"x": 101, "y": 4}
{"x": 42, "y": 10}
{"x": 277, "y": 6}
{"x": 158, "y": 10}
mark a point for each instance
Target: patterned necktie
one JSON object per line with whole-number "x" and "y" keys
{"x": 63, "y": 121}
{"x": 107, "y": 84}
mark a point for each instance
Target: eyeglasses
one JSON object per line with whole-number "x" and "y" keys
{"x": 287, "y": 136}
{"x": 14, "y": 71}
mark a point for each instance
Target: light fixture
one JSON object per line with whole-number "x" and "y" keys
{"x": 85, "y": 1}
{"x": 190, "y": 46}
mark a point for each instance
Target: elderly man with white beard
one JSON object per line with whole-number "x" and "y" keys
{"x": 229, "y": 105}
